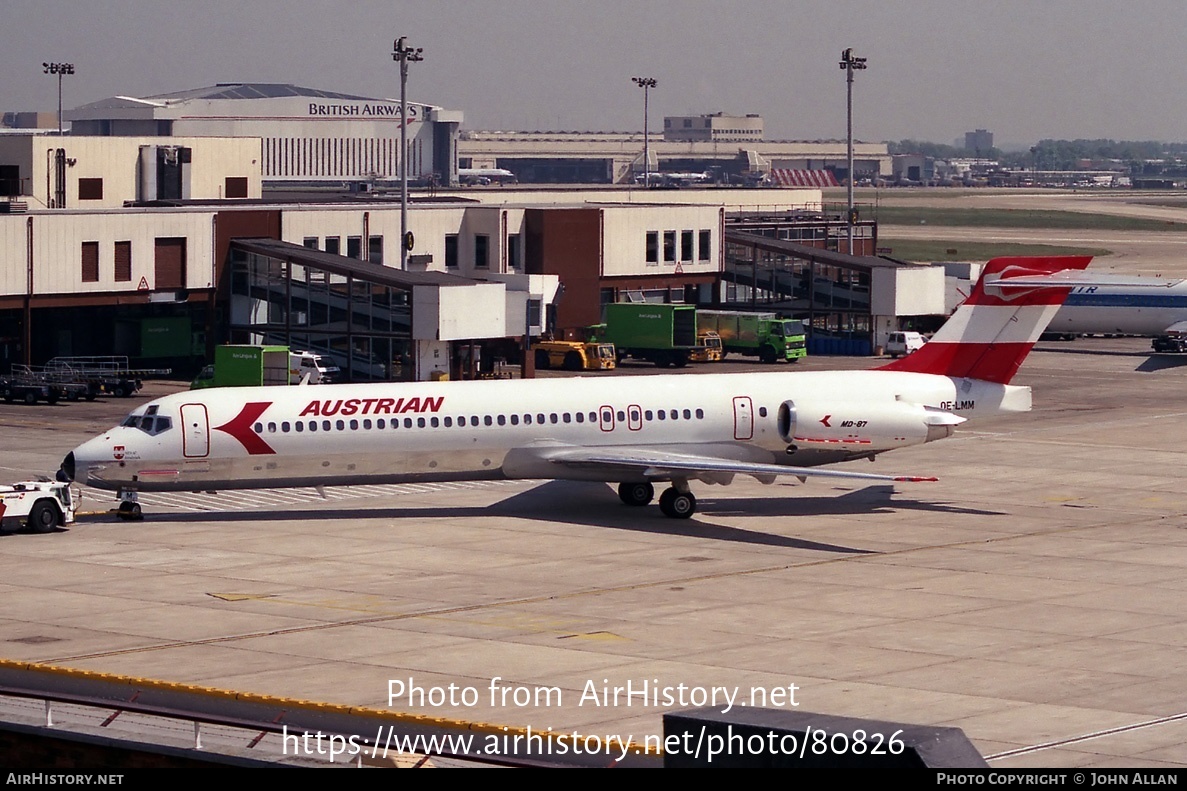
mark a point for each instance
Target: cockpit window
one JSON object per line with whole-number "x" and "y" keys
{"x": 149, "y": 424}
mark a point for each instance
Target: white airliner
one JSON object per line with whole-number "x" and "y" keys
{"x": 634, "y": 431}
{"x": 484, "y": 175}
{"x": 1133, "y": 305}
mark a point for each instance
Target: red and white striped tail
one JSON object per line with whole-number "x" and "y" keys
{"x": 991, "y": 333}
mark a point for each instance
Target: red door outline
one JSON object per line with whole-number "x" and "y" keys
{"x": 606, "y": 418}
{"x": 195, "y": 431}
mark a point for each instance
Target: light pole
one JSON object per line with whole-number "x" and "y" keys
{"x": 58, "y": 69}
{"x": 404, "y": 54}
{"x": 646, "y": 83}
{"x": 850, "y": 63}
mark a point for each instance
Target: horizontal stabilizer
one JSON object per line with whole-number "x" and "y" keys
{"x": 1071, "y": 278}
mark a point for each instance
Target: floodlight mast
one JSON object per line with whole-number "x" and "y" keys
{"x": 646, "y": 83}
{"x": 849, "y": 64}
{"x": 59, "y": 69}
{"x": 404, "y": 54}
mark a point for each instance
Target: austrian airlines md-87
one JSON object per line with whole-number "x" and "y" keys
{"x": 634, "y": 431}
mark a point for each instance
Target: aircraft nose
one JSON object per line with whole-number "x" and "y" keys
{"x": 66, "y": 471}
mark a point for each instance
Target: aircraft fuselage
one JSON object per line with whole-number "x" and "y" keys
{"x": 233, "y": 438}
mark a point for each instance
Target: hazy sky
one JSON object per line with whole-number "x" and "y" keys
{"x": 1024, "y": 69}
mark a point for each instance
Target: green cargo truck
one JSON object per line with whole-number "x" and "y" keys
{"x": 764, "y": 335}
{"x": 247, "y": 366}
{"x": 663, "y": 334}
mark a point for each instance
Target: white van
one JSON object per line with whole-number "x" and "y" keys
{"x": 319, "y": 368}
{"x": 903, "y": 343}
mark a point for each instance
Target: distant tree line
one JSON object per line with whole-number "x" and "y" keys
{"x": 1140, "y": 156}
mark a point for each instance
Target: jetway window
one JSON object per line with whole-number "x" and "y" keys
{"x": 670, "y": 247}
{"x": 653, "y": 247}
{"x": 686, "y": 245}
{"x": 705, "y": 247}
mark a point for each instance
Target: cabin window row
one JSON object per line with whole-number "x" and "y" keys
{"x": 529, "y": 419}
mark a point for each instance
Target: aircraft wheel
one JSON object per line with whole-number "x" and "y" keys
{"x": 677, "y": 504}
{"x": 636, "y": 493}
{"x": 130, "y": 511}
{"x": 43, "y": 518}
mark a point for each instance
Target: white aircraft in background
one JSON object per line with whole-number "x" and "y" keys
{"x": 484, "y": 175}
{"x": 634, "y": 431}
{"x": 1127, "y": 305}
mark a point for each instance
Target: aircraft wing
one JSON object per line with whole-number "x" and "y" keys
{"x": 1178, "y": 328}
{"x": 663, "y": 465}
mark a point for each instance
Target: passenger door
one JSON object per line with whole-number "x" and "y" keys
{"x": 195, "y": 431}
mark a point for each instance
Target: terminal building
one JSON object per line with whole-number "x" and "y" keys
{"x": 314, "y": 136}
{"x": 165, "y": 225}
{"x": 724, "y": 147}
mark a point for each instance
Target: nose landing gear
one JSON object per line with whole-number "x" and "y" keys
{"x": 129, "y": 508}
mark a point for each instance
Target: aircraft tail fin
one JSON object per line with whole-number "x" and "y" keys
{"x": 993, "y": 330}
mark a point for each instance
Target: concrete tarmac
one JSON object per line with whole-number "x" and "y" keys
{"x": 1032, "y": 597}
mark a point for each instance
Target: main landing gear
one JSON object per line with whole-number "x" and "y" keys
{"x": 676, "y": 502}
{"x": 129, "y": 507}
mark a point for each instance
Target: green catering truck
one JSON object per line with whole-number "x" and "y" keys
{"x": 763, "y": 334}
{"x": 663, "y": 334}
{"x": 247, "y": 366}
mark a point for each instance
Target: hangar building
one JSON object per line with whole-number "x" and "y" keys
{"x": 307, "y": 134}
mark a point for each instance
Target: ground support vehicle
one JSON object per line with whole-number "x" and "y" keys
{"x": 663, "y": 334}
{"x": 709, "y": 348}
{"x": 30, "y": 385}
{"x": 102, "y": 374}
{"x": 900, "y": 344}
{"x": 253, "y": 366}
{"x": 38, "y": 505}
{"x": 1164, "y": 344}
{"x": 574, "y": 355}
{"x": 764, "y": 335}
